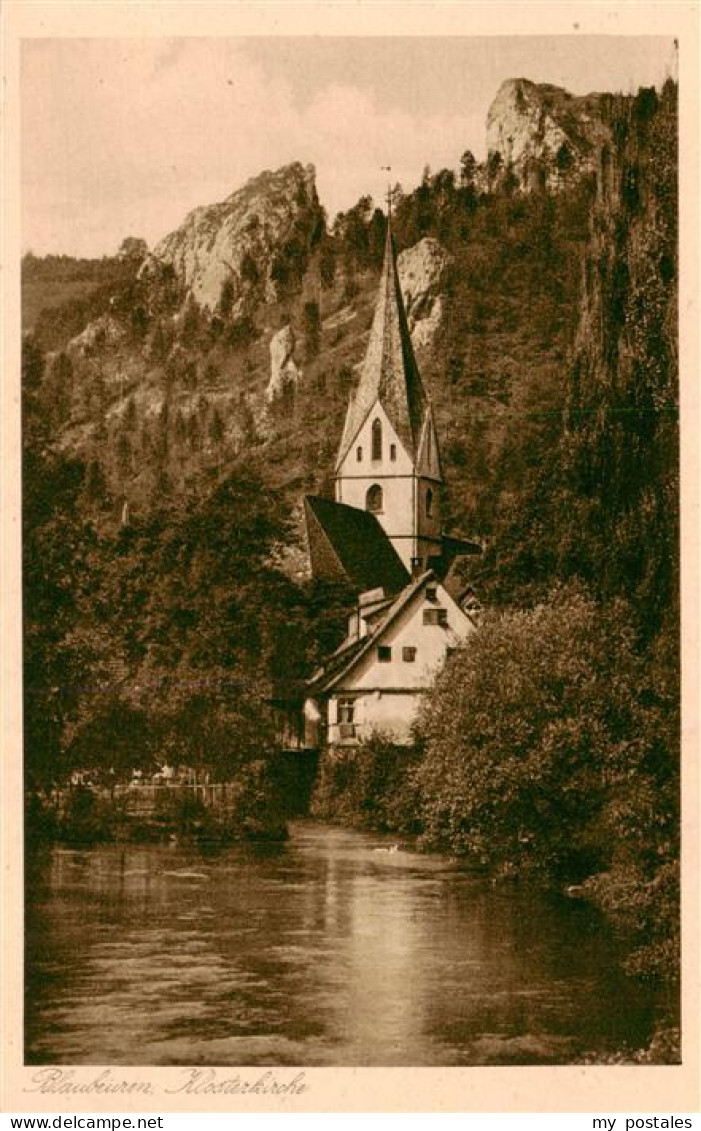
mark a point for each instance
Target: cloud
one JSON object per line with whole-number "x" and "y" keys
{"x": 124, "y": 137}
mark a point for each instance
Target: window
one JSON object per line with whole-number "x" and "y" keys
{"x": 429, "y": 502}
{"x": 409, "y": 655}
{"x": 377, "y": 439}
{"x": 435, "y": 616}
{"x": 346, "y": 710}
{"x": 450, "y": 652}
{"x": 384, "y": 654}
{"x": 373, "y": 499}
{"x": 359, "y": 454}
{"x": 393, "y": 452}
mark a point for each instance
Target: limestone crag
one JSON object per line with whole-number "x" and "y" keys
{"x": 105, "y": 332}
{"x": 543, "y": 135}
{"x": 284, "y": 373}
{"x": 421, "y": 271}
{"x": 241, "y": 238}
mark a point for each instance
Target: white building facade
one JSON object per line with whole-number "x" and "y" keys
{"x": 392, "y": 661}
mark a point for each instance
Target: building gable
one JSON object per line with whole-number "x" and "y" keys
{"x": 360, "y": 460}
{"x": 424, "y": 619}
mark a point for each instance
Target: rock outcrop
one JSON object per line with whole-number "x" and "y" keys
{"x": 252, "y": 240}
{"x": 106, "y": 332}
{"x": 421, "y": 271}
{"x": 284, "y": 374}
{"x": 542, "y": 134}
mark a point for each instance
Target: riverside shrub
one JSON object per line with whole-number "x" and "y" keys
{"x": 548, "y": 747}
{"x": 369, "y": 786}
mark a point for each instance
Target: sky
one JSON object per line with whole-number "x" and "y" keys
{"x": 125, "y": 136}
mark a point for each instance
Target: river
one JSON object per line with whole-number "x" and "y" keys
{"x": 330, "y": 949}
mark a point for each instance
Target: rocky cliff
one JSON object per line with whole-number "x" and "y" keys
{"x": 542, "y": 134}
{"x": 247, "y": 244}
{"x": 421, "y": 271}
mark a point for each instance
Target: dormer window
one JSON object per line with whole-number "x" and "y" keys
{"x": 377, "y": 439}
{"x": 359, "y": 454}
{"x": 374, "y": 499}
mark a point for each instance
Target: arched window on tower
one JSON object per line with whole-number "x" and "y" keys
{"x": 377, "y": 439}
{"x": 429, "y": 503}
{"x": 373, "y": 499}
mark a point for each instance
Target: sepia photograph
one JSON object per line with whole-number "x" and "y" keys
{"x": 350, "y": 551}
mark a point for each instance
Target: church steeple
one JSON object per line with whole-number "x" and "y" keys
{"x": 389, "y": 373}
{"x": 388, "y": 461}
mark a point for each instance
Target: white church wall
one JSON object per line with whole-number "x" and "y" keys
{"x": 403, "y": 512}
{"x": 352, "y": 466}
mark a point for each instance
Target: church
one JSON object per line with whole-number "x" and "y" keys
{"x": 383, "y": 537}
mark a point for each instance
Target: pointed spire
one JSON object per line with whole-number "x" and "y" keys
{"x": 389, "y": 373}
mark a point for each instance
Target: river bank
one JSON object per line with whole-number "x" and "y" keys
{"x": 256, "y": 805}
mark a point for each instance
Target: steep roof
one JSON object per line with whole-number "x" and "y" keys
{"x": 389, "y": 373}
{"x": 349, "y": 544}
{"x": 333, "y": 672}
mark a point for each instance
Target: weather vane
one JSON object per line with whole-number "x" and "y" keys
{"x": 388, "y": 169}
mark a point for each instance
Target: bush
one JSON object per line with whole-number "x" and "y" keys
{"x": 646, "y": 911}
{"x": 548, "y": 752}
{"x": 86, "y": 818}
{"x": 551, "y": 751}
{"x": 251, "y": 809}
{"x": 369, "y": 786}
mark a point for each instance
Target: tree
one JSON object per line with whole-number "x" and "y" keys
{"x": 134, "y": 249}
{"x": 192, "y": 321}
{"x": 468, "y": 170}
{"x": 547, "y": 746}
{"x": 494, "y": 168}
{"x": 57, "y": 393}
{"x": 249, "y": 270}
{"x": 226, "y": 297}
{"x": 327, "y": 264}
{"x": 312, "y": 327}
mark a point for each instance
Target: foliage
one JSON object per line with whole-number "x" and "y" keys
{"x": 159, "y": 641}
{"x": 370, "y": 785}
{"x": 533, "y": 736}
{"x": 603, "y": 505}
{"x": 551, "y": 752}
{"x": 60, "y": 295}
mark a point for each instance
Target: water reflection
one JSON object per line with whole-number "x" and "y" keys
{"x": 327, "y": 950}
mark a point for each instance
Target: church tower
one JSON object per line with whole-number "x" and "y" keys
{"x": 389, "y": 461}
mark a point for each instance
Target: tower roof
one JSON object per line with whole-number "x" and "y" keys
{"x": 348, "y": 544}
{"x": 389, "y": 373}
